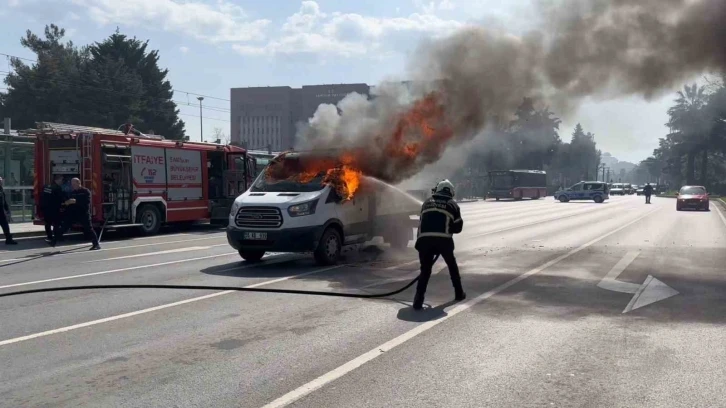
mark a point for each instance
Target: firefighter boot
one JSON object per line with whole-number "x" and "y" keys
{"x": 418, "y": 301}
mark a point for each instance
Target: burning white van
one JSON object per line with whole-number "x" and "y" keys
{"x": 296, "y": 207}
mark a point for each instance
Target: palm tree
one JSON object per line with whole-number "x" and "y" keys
{"x": 690, "y": 127}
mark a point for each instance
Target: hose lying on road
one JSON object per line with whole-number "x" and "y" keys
{"x": 220, "y": 288}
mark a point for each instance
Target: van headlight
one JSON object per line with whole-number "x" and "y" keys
{"x": 298, "y": 210}
{"x": 234, "y": 209}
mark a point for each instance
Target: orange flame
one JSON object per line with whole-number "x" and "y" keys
{"x": 419, "y": 137}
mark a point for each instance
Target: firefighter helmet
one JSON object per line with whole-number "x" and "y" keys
{"x": 444, "y": 188}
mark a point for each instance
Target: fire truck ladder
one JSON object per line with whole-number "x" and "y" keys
{"x": 87, "y": 163}
{"x": 87, "y": 160}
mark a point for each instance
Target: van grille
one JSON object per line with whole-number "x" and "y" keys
{"x": 258, "y": 217}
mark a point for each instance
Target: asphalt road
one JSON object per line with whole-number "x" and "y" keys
{"x": 569, "y": 304}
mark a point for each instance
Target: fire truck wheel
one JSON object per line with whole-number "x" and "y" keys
{"x": 150, "y": 219}
{"x": 251, "y": 255}
{"x": 328, "y": 250}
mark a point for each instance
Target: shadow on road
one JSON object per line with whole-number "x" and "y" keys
{"x": 427, "y": 314}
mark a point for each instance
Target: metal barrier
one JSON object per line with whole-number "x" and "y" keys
{"x": 21, "y": 202}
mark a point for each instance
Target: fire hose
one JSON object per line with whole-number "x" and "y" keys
{"x": 220, "y": 288}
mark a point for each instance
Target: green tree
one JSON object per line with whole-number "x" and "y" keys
{"x": 689, "y": 126}
{"x": 46, "y": 90}
{"x": 533, "y": 136}
{"x": 582, "y": 157}
{"x": 104, "y": 85}
{"x": 155, "y": 108}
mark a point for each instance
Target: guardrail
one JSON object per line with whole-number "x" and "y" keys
{"x": 21, "y": 202}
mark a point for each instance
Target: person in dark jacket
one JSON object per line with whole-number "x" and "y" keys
{"x": 648, "y": 191}
{"x": 4, "y": 215}
{"x": 440, "y": 219}
{"x": 52, "y": 202}
{"x": 78, "y": 212}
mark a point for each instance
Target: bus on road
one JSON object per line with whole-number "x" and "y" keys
{"x": 517, "y": 184}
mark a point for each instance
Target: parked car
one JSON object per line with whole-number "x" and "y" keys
{"x": 640, "y": 191}
{"x": 693, "y": 197}
{"x": 617, "y": 189}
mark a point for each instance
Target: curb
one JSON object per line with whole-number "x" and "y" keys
{"x": 27, "y": 234}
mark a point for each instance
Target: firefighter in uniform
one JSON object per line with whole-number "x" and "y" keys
{"x": 53, "y": 197}
{"x": 5, "y": 215}
{"x": 79, "y": 211}
{"x": 440, "y": 219}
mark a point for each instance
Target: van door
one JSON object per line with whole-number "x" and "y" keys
{"x": 355, "y": 217}
{"x": 576, "y": 192}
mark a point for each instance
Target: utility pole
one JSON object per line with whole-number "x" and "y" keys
{"x": 201, "y": 128}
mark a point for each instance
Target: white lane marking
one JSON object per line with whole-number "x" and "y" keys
{"x": 529, "y": 224}
{"x": 568, "y": 215}
{"x": 438, "y": 267}
{"x": 339, "y": 372}
{"x": 610, "y": 282}
{"x": 64, "y": 247}
{"x": 274, "y": 255}
{"x": 400, "y": 265}
{"x": 151, "y": 309}
{"x": 132, "y": 268}
{"x": 720, "y": 214}
{"x": 168, "y": 251}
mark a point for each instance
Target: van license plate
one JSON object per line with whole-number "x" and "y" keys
{"x": 256, "y": 235}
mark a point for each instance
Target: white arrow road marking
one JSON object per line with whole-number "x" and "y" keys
{"x": 651, "y": 291}
{"x": 610, "y": 282}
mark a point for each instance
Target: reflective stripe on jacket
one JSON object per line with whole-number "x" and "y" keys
{"x": 440, "y": 217}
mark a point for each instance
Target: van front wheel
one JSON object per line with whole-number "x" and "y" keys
{"x": 328, "y": 250}
{"x": 251, "y": 256}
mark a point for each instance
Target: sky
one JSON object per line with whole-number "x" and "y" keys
{"x": 210, "y": 46}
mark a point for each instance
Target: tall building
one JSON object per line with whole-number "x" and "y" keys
{"x": 267, "y": 117}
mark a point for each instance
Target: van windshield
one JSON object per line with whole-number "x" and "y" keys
{"x": 283, "y": 176}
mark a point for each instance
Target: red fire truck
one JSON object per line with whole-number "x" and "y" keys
{"x": 142, "y": 180}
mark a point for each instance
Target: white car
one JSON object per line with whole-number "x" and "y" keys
{"x": 617, "y": 189}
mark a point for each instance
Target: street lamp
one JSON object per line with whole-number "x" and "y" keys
{"x": 201, "y": 131}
